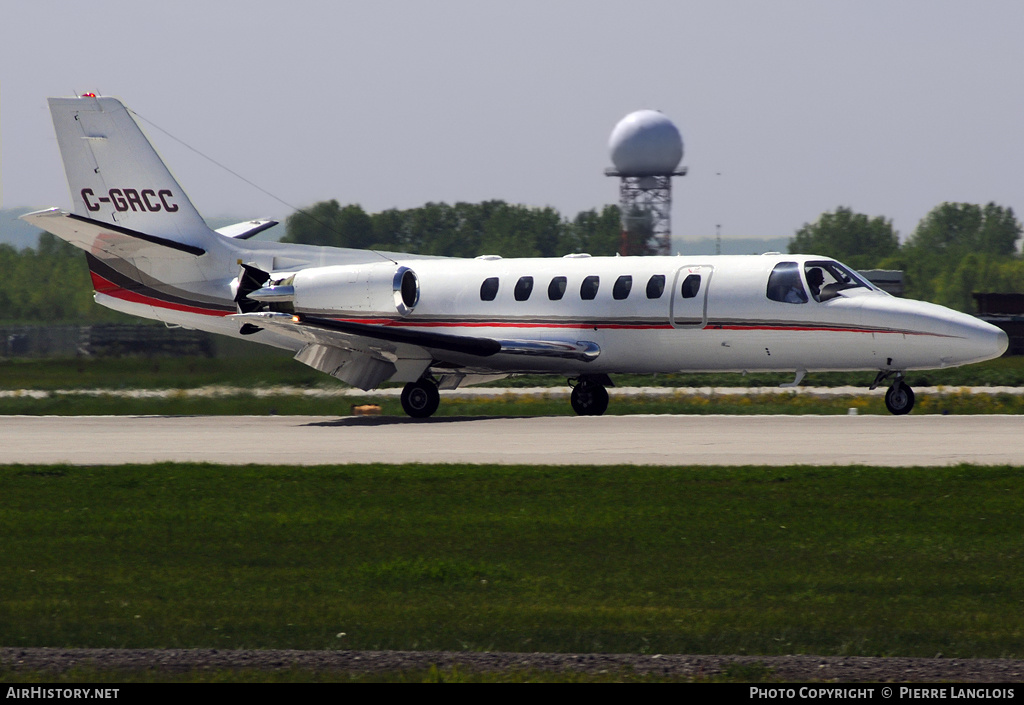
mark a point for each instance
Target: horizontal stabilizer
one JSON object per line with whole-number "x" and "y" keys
{"x": 94, "y": 236}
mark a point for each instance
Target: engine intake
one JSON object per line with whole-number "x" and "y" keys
{"x": 407, "y": 290}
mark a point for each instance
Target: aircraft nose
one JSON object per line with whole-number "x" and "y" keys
{"x": 986, "y": 341}
{"x": 1002, "y": 342}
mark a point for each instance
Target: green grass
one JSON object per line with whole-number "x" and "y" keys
{"x": 533, "y": 405}
{"x": 843, "y": 561}
{"x": 433, "y": 674}
{"x": 158, "y": 373}
{"x": 1001, "y": 372}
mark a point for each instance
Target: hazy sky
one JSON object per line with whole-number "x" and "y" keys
{"x": 787, "y": 108}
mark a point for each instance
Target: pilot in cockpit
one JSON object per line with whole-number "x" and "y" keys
{"x": 815, "y": 278}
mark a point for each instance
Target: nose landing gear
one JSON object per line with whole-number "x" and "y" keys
{"x": 899, "y": 399}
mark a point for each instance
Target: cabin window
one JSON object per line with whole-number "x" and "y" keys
{"x": 691, "y": 285}
{"x": 784, "y": 284}
{"x": 656, "y": 286}
{"x": 524, "y": 287}
{"x": 588, "y": 289}
{"x": 489, "y": 289}
{"x": 622, "y": 286}
{"x": 556, "y": 289}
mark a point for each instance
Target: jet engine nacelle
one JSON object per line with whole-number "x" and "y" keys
{"x": 366, "y": 288}
{"x": 381, "y": 287}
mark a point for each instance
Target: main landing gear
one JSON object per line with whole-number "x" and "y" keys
{"x": 899, "y": 399}
{"x": 420, "y": 399}
{"x": 589, "y": 396}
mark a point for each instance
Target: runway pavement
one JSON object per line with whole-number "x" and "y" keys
{"x": 607, "y": 440}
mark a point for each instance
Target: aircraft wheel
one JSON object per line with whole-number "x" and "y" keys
{"x": 589, "y": 399}
{"x": 420, "y": 399}
{"x": 899, "y": 399}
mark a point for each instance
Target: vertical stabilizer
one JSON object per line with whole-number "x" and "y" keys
{"x": 115, "y": 175}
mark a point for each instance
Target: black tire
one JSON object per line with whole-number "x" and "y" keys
{"x": 589, "y": 399}
{"x": 420, "y": 399}
{"x": 899, "y": 399}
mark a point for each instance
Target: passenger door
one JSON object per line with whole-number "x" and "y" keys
{"x": 688, "y": 305}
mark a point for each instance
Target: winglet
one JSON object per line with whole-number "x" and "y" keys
{"x": 244, "y": 231}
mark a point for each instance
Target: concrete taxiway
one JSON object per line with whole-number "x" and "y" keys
{"x": 607, "y": 440}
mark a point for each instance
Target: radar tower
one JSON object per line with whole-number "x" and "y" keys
{"x": 646, "y": 149}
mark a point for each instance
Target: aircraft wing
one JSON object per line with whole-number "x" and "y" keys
{"x": 400, "y": 347}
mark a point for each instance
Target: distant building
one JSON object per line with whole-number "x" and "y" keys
{"x": 888, "y": 280}
{"x": 1007, "y": 312}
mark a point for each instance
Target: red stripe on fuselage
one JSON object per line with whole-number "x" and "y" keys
{"x": 108, "y": 288}
{"x": 615, "y": 326}
{"x": 497, "y": 324}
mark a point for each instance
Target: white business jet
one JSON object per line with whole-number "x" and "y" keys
{"x": 369, "y": 317}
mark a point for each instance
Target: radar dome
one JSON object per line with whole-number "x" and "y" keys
{"x": 646, "y": 143}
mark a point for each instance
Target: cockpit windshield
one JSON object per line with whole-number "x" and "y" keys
{"x": 826, "y": 278}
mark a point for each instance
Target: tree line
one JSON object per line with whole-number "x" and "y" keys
{"x": 957, "y": 249}
{"x": 50, "y": 283}
{"x": 460, "y": 230}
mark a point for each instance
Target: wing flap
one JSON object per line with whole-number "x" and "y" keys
{"x": 361, "y": 370}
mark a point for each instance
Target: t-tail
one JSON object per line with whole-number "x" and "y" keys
{"x": 148, "y": 249}
{"x": 117, "y": 178}
{"x": 123, "y": 193}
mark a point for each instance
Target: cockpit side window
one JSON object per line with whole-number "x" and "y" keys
{"x": 784, "y": 284}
